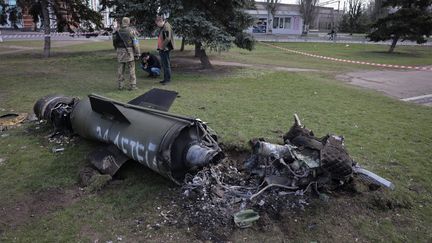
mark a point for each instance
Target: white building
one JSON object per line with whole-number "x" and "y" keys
{"x": 288, "y": 19}
{"x": 106, "y": 19}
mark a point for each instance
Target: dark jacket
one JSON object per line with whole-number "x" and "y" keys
{"x": 167, "y": 35}
{"x": 125, "y": 41}
{"x": 123, "y": 38}
{"x": 153, "y": 61}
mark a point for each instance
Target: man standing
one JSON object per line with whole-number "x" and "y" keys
{"x": 125, "y": 41}
{"x": 165, "y": 45}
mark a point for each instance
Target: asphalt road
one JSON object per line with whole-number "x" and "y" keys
{"x": 315, "y": 38}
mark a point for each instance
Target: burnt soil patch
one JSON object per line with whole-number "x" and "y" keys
{"x": 36, "y": 204}
{"x": 208, "y": 216}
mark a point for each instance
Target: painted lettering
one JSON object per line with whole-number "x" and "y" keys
{"x": 140, "y": 147}
{"x": 123, "y": 142}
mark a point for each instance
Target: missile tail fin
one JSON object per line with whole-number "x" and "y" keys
{"x": 158, "y": 99}
{"x": 107, "y": 108}
{"x": 107, "y": 159}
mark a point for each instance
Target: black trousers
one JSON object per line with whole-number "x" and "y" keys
{"x": 166, "y": 65}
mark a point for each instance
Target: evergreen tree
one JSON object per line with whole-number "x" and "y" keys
{"x": 35, "y": 10}
{"x": 208, "y": 24}
{"x": 142, "y": 12}
{"x": 407, "y": 20}
{"x": 213, "y": 25}
{"x": 3, "y": 12}
{"x": 9, "y": 13}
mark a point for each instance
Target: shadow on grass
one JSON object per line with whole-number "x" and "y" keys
{"x": 395, "y": 54}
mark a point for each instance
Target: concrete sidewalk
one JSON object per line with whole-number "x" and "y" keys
{"x": 410, "y": 86}
{"x": 343, "y": 39}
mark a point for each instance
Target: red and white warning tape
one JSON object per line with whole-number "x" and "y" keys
{"x": 350, "y": 61}
{"x": 42, "y": 35}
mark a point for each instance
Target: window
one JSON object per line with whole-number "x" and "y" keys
{"x": 287, "y": 23}
{"x": 281, "y": 23}
{"x": 275, "y": 23}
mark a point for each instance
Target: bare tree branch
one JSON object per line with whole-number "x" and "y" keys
{"x": 308, "y": 9}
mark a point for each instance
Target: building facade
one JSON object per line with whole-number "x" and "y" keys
{"x": 106, "y": 19}
{"x": 24, "y": 20}
{"x": 288, "y": 19}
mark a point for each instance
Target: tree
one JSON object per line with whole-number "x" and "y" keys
{"x": 208, "y": 24}
{"x": 3, "y": 12}
{"x": 142, "y": 12}
{"x": 47, "y": 27}
{"x": 308, "y": 12}
{"x": 9, "y": 13}
{"x": 14, "y": 16}
{"x": 69, "y": 14}
{"x": 355, "y": 11}
{"x": 377, "y": 10}
{"x": 357, "y": 19}
{"x": 213, "y": 25}
{"x": 35, "y": 10}
{"x": 407, "y": 20}
{"x": 271, "y": 7}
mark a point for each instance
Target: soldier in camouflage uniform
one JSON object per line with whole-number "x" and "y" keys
{"x": 125, "y": 41}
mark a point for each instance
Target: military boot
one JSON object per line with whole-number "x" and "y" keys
{"x": 121, "y": 85}
{"x": 132, "y": 87}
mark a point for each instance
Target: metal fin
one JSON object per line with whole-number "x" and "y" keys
{"x": 107, "y": 108}
{"x": 158, "y": 99}
{"x": 107, "y": 159}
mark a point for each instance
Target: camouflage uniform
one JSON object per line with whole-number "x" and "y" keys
{"x": 125, "y": 41}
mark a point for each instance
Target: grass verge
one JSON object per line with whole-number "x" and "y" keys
{"x": 387, "y": 136}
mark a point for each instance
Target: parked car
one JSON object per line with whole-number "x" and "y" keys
{"x": 259, "y": 29}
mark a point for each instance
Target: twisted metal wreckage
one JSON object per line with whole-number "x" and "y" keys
{"x": 176, "y": 147}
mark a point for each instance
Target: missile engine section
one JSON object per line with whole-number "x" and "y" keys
{"x": 141, "y": 130}
{"x": 173, "y": 145}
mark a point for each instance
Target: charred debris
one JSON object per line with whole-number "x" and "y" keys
{"x": 186, "y": 151}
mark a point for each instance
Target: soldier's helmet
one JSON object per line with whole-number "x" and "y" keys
{"x": 125, "y": 22}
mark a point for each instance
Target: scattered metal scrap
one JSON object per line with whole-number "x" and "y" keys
{"x": 305, "y": 160}
{"x": 173, "y": 145}
{"x": 273, "y": 177}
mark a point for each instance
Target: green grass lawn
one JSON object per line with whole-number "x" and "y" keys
{"x": 403, "y": 55}
{"x": 387, "y": 136}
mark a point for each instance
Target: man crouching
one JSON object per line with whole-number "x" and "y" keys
{"x": 125, "y": 41}
{"x": 150, "y": 63}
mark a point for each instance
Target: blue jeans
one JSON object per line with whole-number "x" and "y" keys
{"x": 166, "y": 65}
{"x": 151, "y": 70}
